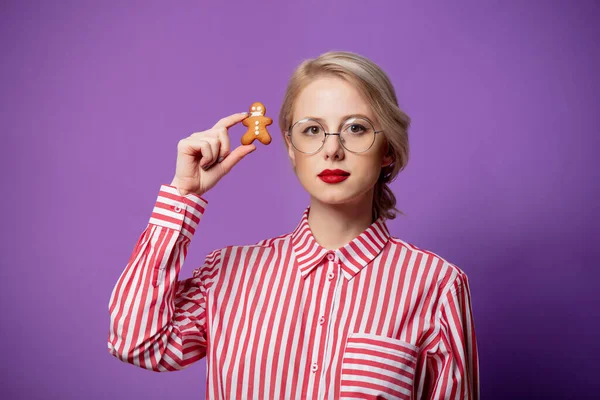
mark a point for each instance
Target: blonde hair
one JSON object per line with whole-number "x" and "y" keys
{"x": 377, "y": 88}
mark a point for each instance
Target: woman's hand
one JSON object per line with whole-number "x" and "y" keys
{"x": 203, "y": 158}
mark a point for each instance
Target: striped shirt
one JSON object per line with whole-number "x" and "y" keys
{"x": 288, "y": 319}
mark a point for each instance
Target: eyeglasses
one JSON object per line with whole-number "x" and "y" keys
{"x": 308, "y": 135}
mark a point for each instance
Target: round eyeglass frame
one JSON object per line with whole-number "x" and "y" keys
{"x": 338, "y": 134}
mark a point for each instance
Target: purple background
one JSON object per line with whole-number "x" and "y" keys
{"x": 501, "y": 179}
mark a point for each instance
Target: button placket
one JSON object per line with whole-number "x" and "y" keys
{"x": 325, "y": 323}
{"x": 322, "y": 329}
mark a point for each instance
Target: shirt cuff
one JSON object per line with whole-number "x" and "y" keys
{"x": 174, "y": 211}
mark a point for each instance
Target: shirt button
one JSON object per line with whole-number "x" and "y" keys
{"x": 321, "y": 320}
{"x": 314, "y": 367}
{"x": 330, "y": 257}
{"x": 177, "y": 208}
{"x": 330, "y": 275}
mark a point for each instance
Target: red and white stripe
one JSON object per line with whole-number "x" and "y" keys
{"x": 286, "y": 318}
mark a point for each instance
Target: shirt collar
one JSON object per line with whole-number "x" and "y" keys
{"x": 352, "y": 258}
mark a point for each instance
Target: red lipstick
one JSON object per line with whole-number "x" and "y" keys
{"x": 333, "y": 176}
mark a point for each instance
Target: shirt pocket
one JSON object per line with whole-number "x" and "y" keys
{"x": 377, "y": 367}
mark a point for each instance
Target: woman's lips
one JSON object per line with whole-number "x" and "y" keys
{"x": 334, "y": 176}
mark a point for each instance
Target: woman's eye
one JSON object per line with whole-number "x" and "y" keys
{"x": 356, "y": 128}
{"x": 313, "y": 130}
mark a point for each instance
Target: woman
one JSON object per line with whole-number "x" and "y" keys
{"x": 338, "y": 308}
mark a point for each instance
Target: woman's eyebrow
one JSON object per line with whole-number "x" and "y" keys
{"x": 344, "y": 118}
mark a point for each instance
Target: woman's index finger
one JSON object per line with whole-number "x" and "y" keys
{"x": 228, "y": 122}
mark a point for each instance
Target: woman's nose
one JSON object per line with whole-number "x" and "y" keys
{"x": 332, "y": 147}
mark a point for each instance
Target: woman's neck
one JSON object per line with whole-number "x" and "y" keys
{"x": 334, "y": 226}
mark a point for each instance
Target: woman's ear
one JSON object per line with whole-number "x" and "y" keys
{"x": 290, "y": 149}
{"x": 388, "y": 159}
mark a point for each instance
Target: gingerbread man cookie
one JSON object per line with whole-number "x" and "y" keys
{"x": 257, "y": 125}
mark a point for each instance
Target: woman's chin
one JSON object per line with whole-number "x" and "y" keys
{"x": 333, "y": 200}
{"x": 333, "y": 196}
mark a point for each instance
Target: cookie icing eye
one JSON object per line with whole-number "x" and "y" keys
{"x": 253, "y": 108}
{"x": 259, "y": 108}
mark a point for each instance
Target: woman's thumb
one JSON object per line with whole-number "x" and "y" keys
{"x": 236, "y": 156}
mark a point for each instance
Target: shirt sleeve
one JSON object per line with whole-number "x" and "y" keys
{"x": 453, "y": 368}
{"x": 158, "y": 322}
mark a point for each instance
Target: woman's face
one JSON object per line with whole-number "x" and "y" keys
{"x": 332, "y": 99}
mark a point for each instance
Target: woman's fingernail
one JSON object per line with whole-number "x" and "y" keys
{"x": 220, "y": 159}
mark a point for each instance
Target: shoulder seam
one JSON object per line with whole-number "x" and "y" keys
{"x": 412, "y": 247}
